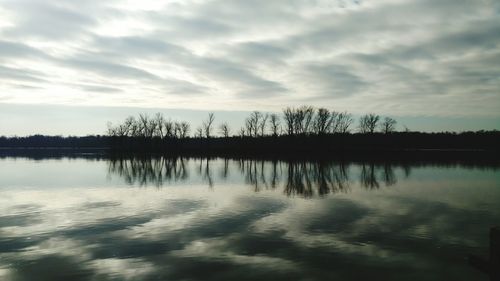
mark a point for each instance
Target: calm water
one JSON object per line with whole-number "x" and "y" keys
{"x": 198, "y": 219}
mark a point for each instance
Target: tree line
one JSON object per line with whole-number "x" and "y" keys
{"x": 294, "y": 121}
{"x": 149, "y": 127}
{"x": 303, "y": 129}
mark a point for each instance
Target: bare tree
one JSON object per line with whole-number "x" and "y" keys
{"x": 224, "y": 129}
{"x": 308, "y": 113}
{"x": 274, "y": 123}
{"x": 242, "y": 132}
{"x": 122, "y": 130}
{"x": 131, "y": 126}
{"x": 344, "y": 121}
{"x": 184, "y": 129}
{"x": 151, "y": 128}
{"x": 118, "y": 131}
{"x": 298, "y": 119}
{"x": 368, "y": 123}
{"x": 169, "y": 128}
{"x": 159, "y": 125}
{"x": 144, "y": 125}
{"x": 302, "y": 119}
{"x": 207, "y": 125}
{"x": 135, "y": 129}
{"x": 288, "y": 116}
{"x": 388, "y": 125}
{"x": 110, "y": 131}
{"x": 262, "y": 124}
{"x": 249, "y": 127}
{"x": 322, "y": 121}
{"x": 177, "y": 129}
{"x": 334, "y": 122}
{"x": 199, "y": 132}
{"x": 253, "y": 122}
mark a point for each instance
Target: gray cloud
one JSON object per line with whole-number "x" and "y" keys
{"x": 51, "y": 20}
{"x": 255, "y": 53}
{"x": 197, "y": 27}
{"x": 112, "y": 69}
{"x": 20, "y": 74}
{"x": 137, "y": 47}
{"x": 333, "y": 81}
{"x": 101, "y": 89}
{"x": 232, "y": 74}
{"x": 10, "y": 49}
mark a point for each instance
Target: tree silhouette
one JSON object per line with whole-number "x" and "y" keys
{"x": 274, "y": 123}
{"x": 144, "y": 125}
{"x": 288, "y": 116}
{"x": 368, "y": 123}
{"x": 299, "y": 116}
{"x": 159, "y": 123}
{"x": 169, "y": 128}
{"x": 262, "y": 124}
{"x": 343, "y": 122}
{"x": 308, "y": 113}
{"x": 298, "y": 121}
{"x": 313, "y": 129}
{"x": 253, "y": 123}
{"x": 198, "y": 132}
{"x": 132, "y": 126}
{"x": 207, "y": 125}
{"x": 388, "y": 125}
{"x": 242, "y": 132}
{"x": 224, "y": 129}
{"x": 182, "y": 129}
{"x": 322, "y": 121}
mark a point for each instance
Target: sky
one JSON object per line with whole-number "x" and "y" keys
{"x": 69, "y": 67}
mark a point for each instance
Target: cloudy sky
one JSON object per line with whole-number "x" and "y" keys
{"x": 67, "y": 67}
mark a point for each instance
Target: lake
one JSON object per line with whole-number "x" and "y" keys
{"x": 153, "y": 218}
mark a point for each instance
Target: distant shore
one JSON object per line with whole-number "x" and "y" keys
{"x": 474, "y": 147}
{"x": 395, "y": 141}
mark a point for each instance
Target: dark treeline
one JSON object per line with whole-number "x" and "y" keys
{"x": 40, "y": 141}
{"x": 481, "y": 140}
{"x": 297, "y": 130}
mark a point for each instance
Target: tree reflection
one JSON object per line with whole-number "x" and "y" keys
{"x": 296, "y": 178}
{"x": 306, "y": 178}
{"x": 145, "y": 171}
{"x": 369, "y": 171}
{"x": 367, "y": 177}
{"x": 388, "y": 175}
{"x": 206, "y": 172}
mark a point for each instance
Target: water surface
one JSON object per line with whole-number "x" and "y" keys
{"x": 157, "y": 218}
